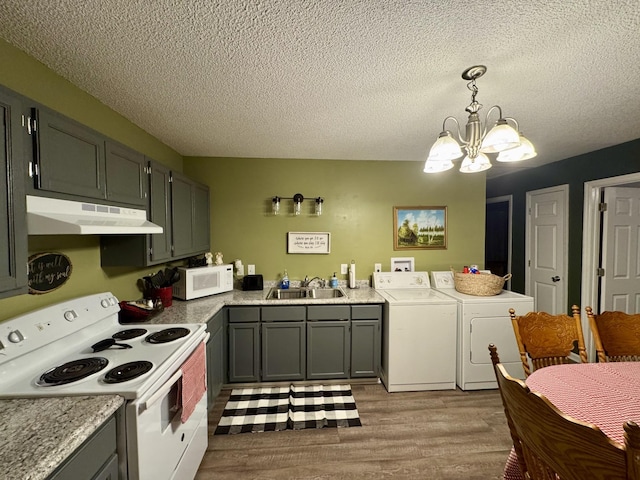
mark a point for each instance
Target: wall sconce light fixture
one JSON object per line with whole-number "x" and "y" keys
{"x": 297, "y": 203}
{"x": 298, "y": 198}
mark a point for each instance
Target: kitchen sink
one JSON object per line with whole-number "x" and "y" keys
{"x": 310, "y": 293}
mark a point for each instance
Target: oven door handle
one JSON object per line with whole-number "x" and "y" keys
{"x": 158, "y": 394}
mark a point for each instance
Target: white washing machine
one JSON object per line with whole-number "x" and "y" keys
{"x": 481, "y": 321}
{"x": 418, "y": 335}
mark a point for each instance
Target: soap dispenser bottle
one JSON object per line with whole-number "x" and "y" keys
{"x": 284, "y": 284}
{"x": 333, "y": 282}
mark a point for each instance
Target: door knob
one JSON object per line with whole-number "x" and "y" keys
{"x": 555, "y": 279}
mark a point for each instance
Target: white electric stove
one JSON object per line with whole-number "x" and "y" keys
{"x": 78, "y": 347}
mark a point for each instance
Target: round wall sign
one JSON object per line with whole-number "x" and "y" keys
{"x": 48, "y": 272}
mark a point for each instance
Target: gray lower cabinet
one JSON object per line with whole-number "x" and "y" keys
{"x": 244, "y": 344}
{"x": 303, "y": 342}
{"x": 215, "y": 356}
{"x": 13, "y": 225}
{"x": 95, "y": 459}
{"x": 283, "y": 343}
{"x": 328, "y": 341}
{"x": 365, "y": 340}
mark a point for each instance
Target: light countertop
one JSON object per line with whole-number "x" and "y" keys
{"x": 202, "y": 309}
{"x": 38, "y": 434}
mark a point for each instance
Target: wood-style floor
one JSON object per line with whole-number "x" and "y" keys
{"x": 407, "y": 435}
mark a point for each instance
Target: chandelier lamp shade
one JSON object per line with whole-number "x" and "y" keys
{"x": 503, "y": 138}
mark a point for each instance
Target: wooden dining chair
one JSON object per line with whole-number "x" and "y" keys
{"x": 554, "y": 446}
{"x": 616, "y": 335}
{"x": 546, "y": 339}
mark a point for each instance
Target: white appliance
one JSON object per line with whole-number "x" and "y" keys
{"x": 55, "y": 351}
{"x": 203, "y": 281}
{"x": 418, "y": 335}
{"x": 481, "y": 321}
{"x": 51, "y": 216}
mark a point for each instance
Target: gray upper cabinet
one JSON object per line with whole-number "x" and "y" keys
{"x": 126, "y": 175}
{"x": 69, "y": 157}
{"x": 189, "y": 216}
{"x": 160, "y": 211}
{"x": 71, "y": 160}
{"x": 172, "y": 198}
{"x": 13, "y": 227}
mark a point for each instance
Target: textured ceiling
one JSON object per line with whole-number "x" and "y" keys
{"x": 340, "y": 79}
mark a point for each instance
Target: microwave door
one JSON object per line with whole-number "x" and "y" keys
{"x": 206, "y": 281}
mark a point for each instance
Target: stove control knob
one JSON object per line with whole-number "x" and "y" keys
{"x": 15, "y": 336}
{"x": 104, "y": 303}
{"x": 70, "y": 315}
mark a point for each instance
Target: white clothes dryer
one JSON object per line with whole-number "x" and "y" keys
{"x": 481, "y": 321}
{"x": 418, "y": 335}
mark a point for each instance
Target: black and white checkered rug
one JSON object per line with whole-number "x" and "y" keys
{"x": 294, "y": 407}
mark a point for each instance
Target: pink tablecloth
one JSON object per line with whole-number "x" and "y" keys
{"x": 605, "y": 394}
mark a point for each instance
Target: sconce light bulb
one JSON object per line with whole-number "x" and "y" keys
{"x": 276, "y": 205}
{"x": 319, "y": 202}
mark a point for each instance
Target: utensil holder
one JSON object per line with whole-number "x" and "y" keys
{"x": 165, "y": 294}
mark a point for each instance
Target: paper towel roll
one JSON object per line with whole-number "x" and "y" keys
{"x": 352, "y": 275}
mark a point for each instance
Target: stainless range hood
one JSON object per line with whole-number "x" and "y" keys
{"x": 51, "y": 216}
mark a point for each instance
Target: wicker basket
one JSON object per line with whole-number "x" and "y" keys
{"x": 480, "y": 284}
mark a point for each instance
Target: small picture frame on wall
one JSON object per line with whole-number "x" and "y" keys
{"x": 402, "y": 264}
{"x": 420, "y": 228}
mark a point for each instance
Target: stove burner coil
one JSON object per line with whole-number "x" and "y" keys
{"x": 127, "y": 371}
{"x": 72, "y": 371}
{"x": 168, "y": 335}
{"x": 129, "y": 333}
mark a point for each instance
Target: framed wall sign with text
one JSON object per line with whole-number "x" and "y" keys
{"x": 308, "y": 242}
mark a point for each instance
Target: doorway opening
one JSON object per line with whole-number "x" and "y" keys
{"x": 497, "y": 239}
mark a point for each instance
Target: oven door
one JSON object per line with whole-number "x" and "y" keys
{"x": 159, "y": 445}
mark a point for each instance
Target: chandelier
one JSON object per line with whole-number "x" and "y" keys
{"x": 503, "y": 139}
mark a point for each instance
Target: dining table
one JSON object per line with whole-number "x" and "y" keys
{"x": 604, "y": 394}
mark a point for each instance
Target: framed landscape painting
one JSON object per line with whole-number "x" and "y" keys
{"x": 419, "y": 228}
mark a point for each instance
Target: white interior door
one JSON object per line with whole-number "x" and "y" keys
{"x": 546, "y": 246}
{"x": 620, "y": 284}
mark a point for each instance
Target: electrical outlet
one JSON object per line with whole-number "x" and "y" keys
{"x": 377, "y": 267}
{"x": 251, "y": 269}
{"x": 344, "y": 268}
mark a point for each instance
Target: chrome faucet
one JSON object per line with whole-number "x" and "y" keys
{"x": 306, "y": 282}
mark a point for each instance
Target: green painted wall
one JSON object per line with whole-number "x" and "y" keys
{"x": 359, "y": 200}
{"x": 609, "y": 162}
{"x": 359, "y": 197}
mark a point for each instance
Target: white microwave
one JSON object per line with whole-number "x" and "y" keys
{"x": 202, "y": 281}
